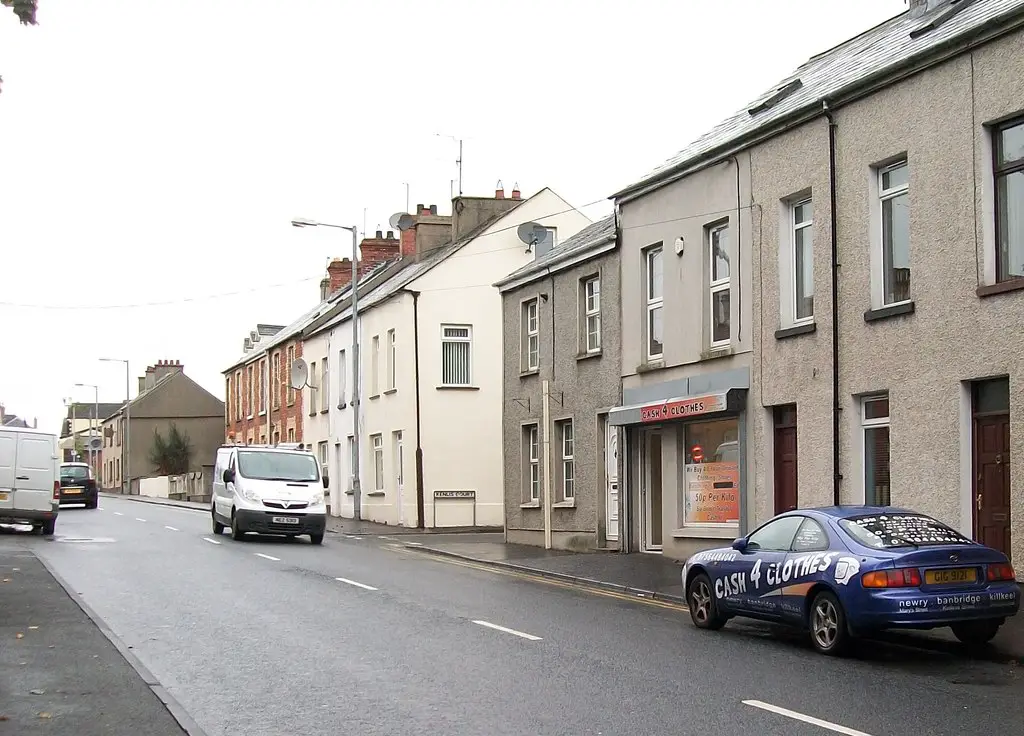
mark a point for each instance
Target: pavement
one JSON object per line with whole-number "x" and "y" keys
{"x": 367, "y": 635}
{"x": 60, "y": 673}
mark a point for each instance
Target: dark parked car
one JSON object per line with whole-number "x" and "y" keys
{"x": 78, "y": 485}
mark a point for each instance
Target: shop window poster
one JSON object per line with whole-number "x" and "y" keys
{"x": 712, "y": 474}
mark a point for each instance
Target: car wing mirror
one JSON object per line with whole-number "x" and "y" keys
{"x": 327, "y": 482}
{"x": 740, "y": 544}
{"x": 229, "y": 476}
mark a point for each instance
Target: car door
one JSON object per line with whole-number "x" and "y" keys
{"x": 761, "y": 563}
{"x": 808, "y": 558}
{"x": 35, "y": 472}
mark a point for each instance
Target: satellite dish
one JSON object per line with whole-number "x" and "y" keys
{"x": 300, "y": 374}
{"x": 531, "y": 233}
{"x": 405, "y": 222}
{"x": 395, "y": 219}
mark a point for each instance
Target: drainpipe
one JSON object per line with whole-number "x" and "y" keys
{"x": 420, "y": 511}
{"x": 836, "y": 476}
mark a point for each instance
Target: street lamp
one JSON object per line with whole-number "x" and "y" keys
{"x": 95, "y": 420}
{"x": 126, "y": 458}
{"x": 356, "y": 485}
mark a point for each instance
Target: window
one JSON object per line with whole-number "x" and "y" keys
{"x": 325, "y": 385}
{"x": 239, "y": 412}
{"x": 229, "y": 408}
{"x": 342, "y": 374}
{"x": 776, "y": 536}
{"x": 900, "y": 530}
{"x": 711, "y": 489}
{"x": 291, "y": 434}
{"x": 249, "y": 394}
{"x": 531, "y": 462}
{"x": 264, "y": 384}
{"x": 375, "y": 366}
{"x": 321, "y": 452}
{"x": 810, "y": 537}
{"x": 894, "y": 203}
{"x": 275, "y": 380}
{"x": 654, "y": 296}
{"x": 314, "y": 389}
{"x": 531, "y": 335}
{"x": 377, "y": 442}
{"x": 351, "y": 461}
{"x": 803, "y": 261}
{"x": 567, "y": 477}
{"x": 287, "y": 372}
{"x": 1009, "y": 174}
{"x": 390, "y": 380}
{"x": 718, "y": 240}
{"x": 592, "y": 315}
{"x": 456, "y": 355}
{"x": 875, "y": 429}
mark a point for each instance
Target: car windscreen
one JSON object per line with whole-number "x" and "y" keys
{"x": 74, "y": 472}
{"x": 888, "y": 531}
{"x": 290, "y": 466}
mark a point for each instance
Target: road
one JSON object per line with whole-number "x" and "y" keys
{"x": 360, "y": 636}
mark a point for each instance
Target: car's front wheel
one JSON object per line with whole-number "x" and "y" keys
{"x": 829, "y": 634}
{"x": 236, "y": 531}
{"x": 976, "y": 633}
{"x": 703, "y": 607}
{"x": 218, "y": 528}
{"x": 317, "y": 538}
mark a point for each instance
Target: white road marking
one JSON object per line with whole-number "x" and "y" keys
{"x": 384, "y": 537}
{"x": 489, "y": 625}
{"x": 352, "y": 536}
{"x": 138, "y": 519}
{"x": 353, "y": 582}
{"x": 415, "y": 544}
{"x": 211, "y": 541}
{"x": 267, "y": 557}
{"x": 118, "y": 513}
{"x": 172, "y": 528}
{"x": 806, "y": 719}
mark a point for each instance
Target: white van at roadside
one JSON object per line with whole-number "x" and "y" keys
{"x": 29, "y": 478}
{"x": 268, "y": 490}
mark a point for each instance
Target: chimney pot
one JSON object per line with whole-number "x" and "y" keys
{"x": 516, "y": 194}
{"x": 419, "y": 208}
{"x": 391, "y": 234}
{"x": 433, "y": 209}
{"x": 379, "y": 235}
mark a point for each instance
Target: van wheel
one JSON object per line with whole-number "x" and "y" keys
{"x": 218, "y": 528}
{"x": 49, "y": 527}
{"x": 317, "y": 538}
{"x": 236, "y": 531}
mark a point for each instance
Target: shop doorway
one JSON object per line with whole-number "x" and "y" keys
{"x": 785, "y": 458}
{"x": 650, "y": 491}
{"x": 611, "y": 456}
{"x": 990, "y": 438}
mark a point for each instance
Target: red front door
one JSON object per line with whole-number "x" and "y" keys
{"x": 785, "y": 458}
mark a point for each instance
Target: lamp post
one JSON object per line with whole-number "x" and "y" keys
{"x": 126, "y": 458}
{"x": 356, "y": 485}
{"x": 95, "y": 420}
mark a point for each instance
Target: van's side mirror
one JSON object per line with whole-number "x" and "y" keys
{"x": 229, "y": 476}
{"x": 327, "y": 482}
{"x": 740, "y": 544}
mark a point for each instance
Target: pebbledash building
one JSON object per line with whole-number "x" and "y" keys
{"x": 821, "y": 298}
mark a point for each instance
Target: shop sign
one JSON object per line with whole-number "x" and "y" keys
{"x": 682, "y": 408}
{"x": 712, "y": 493}
{"x": 454, "y": 494}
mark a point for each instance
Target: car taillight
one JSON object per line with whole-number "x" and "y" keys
{"x": 1002, "y": 571}
{"x": 908, "y": 577}
{"x": 56, "y": 490}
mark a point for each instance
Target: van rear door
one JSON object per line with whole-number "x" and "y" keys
{"x": 8, "y": 455}
{"x": 35, "y": 472}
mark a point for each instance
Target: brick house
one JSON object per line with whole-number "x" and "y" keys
{"x": 254, "y": 415}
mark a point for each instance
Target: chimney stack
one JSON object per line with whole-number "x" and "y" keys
{"x": 499, "y": 190}
{"x": 165, "y": 368}
{"x": 516, "y": 194}
{"x": 374, "y": 251}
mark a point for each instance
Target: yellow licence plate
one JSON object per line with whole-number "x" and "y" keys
{"x": 71, "y": 490}
{"x": 951, "y": 575}
{"x": 4, "y": 495}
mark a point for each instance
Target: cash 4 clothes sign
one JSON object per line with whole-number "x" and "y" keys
{"x": 712, "y": 493}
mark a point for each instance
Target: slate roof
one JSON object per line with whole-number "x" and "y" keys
{"x": 587, "y": 239}
{"x": 873, "y": 54}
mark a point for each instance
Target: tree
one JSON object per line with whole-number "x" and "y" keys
{"x": 25, "y": 10}
{"x": 173, "y": 455}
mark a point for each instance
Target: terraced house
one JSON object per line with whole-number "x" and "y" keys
{"x": 841, "y": 258}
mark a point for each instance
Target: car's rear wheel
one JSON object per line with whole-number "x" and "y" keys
{"x": 829, "y": 634}
{"x": 976, "y": 633}
{"x": 236, "y": 531}
{"x": 218, "y": 528}
{"x": 92, "y": 504}
{"x": 703, "y": 607}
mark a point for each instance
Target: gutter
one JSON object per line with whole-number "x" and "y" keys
{"x": 834, "y": 265}
{"x": 987, "y": 32}
{"x": 420, "y": 505}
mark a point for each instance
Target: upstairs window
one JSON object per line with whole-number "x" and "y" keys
{"x": 592, "y": 315}
{"x": 1009, "y": 175}
{"x": 456, "y": 355}
{"x": 894, "y": 204}
{"x": 719, "y": 284}
{"x": 654, "y": 299}
{"x": 531, "y": 335}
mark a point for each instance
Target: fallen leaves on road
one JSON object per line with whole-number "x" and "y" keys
{"x": 19, "y": 635}
{"x": 7, "y": 580}
{"x": 37, "y": 692}
{"x": 44, "y": 714}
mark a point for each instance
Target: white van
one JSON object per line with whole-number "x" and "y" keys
{"x": 29, "y": 478}
{"x": 268, "y": 490}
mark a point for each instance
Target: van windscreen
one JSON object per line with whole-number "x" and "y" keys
{"x": 288, "y": 466}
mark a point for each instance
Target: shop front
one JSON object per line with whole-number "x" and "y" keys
{"x": 685, "y": 462}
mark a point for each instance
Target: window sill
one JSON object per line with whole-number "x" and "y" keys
{"x": 893, "y": 310}
{"x": 651, "y": 365}
{"x": 374, "y": 396}
{"x": 263, "y": 413}
{"x": 458, "y": 388}
{"x": 249, "y": 418}
{"x": 588, "y": 356}
{"x": 390, "y": 391}
{"x": 324, "y": 411}
{"x": 717, "y": 351}
{"x": 1003, "y": 287}
{"x": 342, "y": 405}
{"x": 530, "y": 372}
{"x": 570, "y": 504}
{"x": 530, "y": 505}
{"x": 350, "y": 492}
{"x": 375, "y": 494}
{"x": 313, "y": 413}
{"x": 808, "y": 329}
{"x": 702, "y": 532}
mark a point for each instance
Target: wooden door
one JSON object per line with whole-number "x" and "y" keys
{"x": 992, "y": 481}
{"x": 785, "y": 458}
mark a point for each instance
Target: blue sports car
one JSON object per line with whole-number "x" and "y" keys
{"x": 845, "y": 571}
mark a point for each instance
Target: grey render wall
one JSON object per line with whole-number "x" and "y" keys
{"x": 795, "y": 369}
{"x": 582, "y": 388}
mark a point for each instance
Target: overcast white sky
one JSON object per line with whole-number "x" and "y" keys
{"x": 154, "y": 151}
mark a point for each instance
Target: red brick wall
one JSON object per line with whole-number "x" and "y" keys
{"x": 238, "y": 428}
